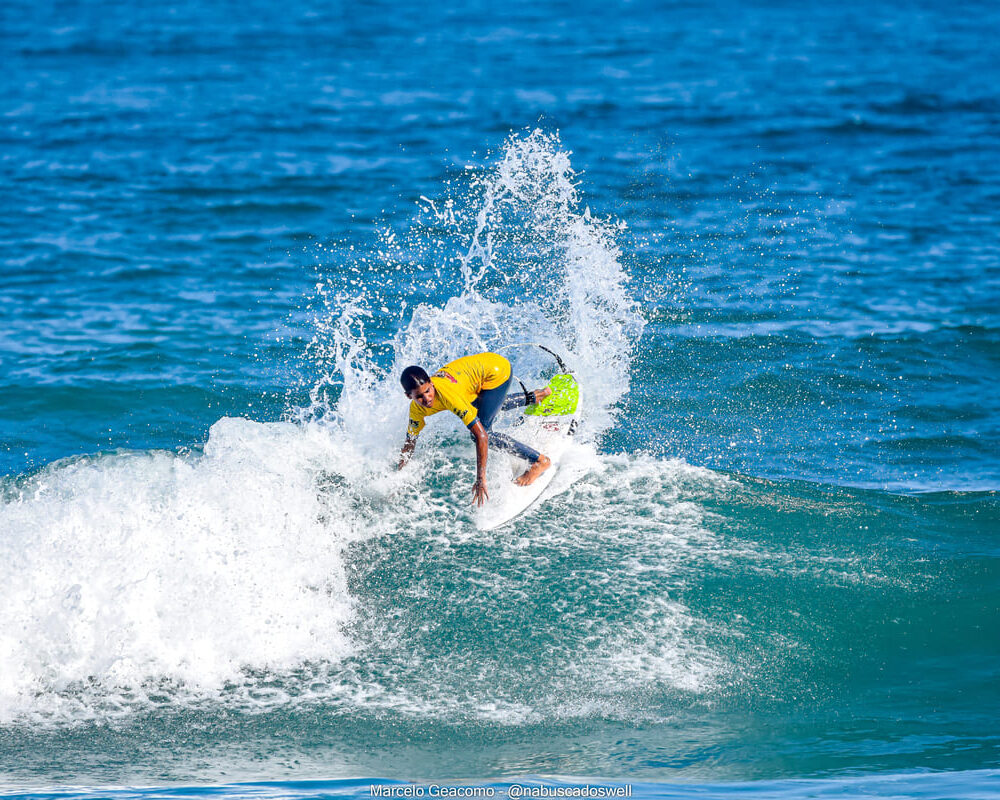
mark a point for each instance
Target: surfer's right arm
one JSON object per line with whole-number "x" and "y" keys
{"x": 413, "y": 428}
{"x": 407, "y": 451}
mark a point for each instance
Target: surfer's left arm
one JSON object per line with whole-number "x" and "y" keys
{"x": 479, "y": 493}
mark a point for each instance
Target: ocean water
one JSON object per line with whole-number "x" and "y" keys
{"x": 765, "y": 235}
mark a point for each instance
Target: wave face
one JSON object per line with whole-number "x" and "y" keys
{"x": 138, "y": 579}
{"x": 765, "y": 239}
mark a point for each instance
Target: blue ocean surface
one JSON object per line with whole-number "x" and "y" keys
{"x": 765, "y": 236}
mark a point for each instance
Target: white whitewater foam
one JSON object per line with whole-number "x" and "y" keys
{"x": 130, "y": 568}
{"x": 140, "y": 579}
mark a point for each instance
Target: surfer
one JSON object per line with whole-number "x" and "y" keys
{"x": 474, "y": 389}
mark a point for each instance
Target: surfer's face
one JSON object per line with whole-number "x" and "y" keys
{"x": 423, "y": 395}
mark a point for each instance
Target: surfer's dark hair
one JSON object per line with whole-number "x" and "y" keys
{"x": 413, "y": 377}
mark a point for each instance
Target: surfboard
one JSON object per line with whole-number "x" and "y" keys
{"x": 548, "y": 427}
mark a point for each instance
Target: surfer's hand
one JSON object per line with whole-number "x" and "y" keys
{"x": 479, "y": 493}
{"x": 407, "y": 451}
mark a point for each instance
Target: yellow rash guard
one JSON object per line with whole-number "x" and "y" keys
{"x": 457, "y": 384}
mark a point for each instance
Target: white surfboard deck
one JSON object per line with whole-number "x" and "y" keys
{"x": 550, "y": 435}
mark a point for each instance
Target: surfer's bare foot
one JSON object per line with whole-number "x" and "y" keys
{"x": 541, "y": 394}
{"x": 531, "y": 474}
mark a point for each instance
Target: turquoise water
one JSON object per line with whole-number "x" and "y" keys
{"x": 765, "y": 237}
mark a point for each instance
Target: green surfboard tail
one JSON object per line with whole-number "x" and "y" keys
{"x": 563, "y": 400}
